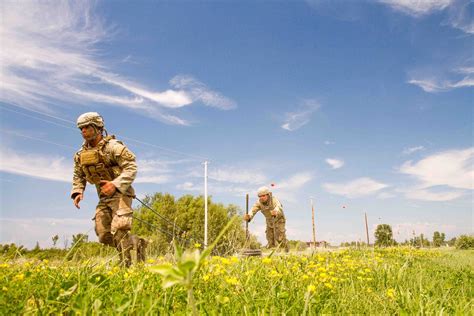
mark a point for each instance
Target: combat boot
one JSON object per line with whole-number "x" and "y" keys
{"x": 124, "y": 247}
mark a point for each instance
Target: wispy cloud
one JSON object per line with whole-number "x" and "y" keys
{"x": 295, "y": 181}
{"x": 288, "y": 189}
{"x": 57, "y": 168}
{"x": 385, "y": 195}
{"x": 417, "y": 7}
{"x": 335, "y": 163}
{"x": 301, "y": 117}
{"x": 200, "y": 92}
{"x": 451, "y": 169}
{"x": 237, "y": 175}
{"x": 460, "y": 16}
{"x": 355, "y": 188}
{"x": 328, "y": 142}
{"x": 49, "y": 57}
{"x": 53, "y": 168}
{"x": 411, "y": 150}
{"x": 238, "y": 182}
{"x": 438, "y": 85}
{"x": 189, "y": 186}
{"x": 458, "y": 13}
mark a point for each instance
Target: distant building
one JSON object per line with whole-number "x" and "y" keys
{"x": 319, "y": 244}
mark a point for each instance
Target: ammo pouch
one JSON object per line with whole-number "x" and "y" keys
{"x": 95, "y": 169}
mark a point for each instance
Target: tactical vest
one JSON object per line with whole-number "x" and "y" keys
{"x": 95, "y": 165}
{"x": 268, "y": 207}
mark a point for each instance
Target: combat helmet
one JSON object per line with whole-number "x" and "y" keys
{"x": 90, "y": 118}
{"x": 263, "y": 191}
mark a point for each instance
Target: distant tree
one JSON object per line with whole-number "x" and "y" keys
{"x": 79, "y": 239}
{"x": 297, "y": 245}
{"x": 420, "y": 241}
{"x": 452, "y": 242}
{"x": 438, "y": 239}
{"x": 187, "y": 214}
{"x": 384, "y": 235}
{"x": 465, "y": 242}
{"x": 55, "y": 239}
{"x": 424, "y": 241}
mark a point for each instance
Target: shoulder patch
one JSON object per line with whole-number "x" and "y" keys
{"x": 127, "y": 154}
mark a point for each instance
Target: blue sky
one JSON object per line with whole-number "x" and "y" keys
{"x": 365, "y": 106}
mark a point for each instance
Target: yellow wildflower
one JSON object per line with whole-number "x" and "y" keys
{"x": 197, "y": 245}
{"x": 267, "y": 260}
{"x": 5, "y": 289}
{"x": 19, "y": 277}
{"x": 225, "y": 300}
{"x": 391, "y": 293}
{"x": 328, "y": 285}
{"x": 311, "y": 288}
{"x": 232, "y": 281}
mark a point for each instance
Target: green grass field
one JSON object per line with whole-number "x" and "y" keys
{"x": 385, "y": 281}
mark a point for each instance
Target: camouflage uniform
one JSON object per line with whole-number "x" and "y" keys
{"x": 279, "y": 221}
{"x": 109, "y": 160}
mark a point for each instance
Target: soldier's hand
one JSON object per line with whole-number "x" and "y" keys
{"x": 77, "y": 199}
{"x": 247, "y": 217}
{"x": 107, "y": 187}
{"x": 274, "y": 213}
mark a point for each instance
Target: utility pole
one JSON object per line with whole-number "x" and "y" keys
{"x": 205, "y": 204}
{"x": 314, "y": 230}
{"x": 367, "y": 230}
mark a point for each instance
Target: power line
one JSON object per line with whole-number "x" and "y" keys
{"x": 37, "y": 118}
{"x": 38, "y": 139}
{"x": 162, "y": 148}
{"x": 122, "y": 137}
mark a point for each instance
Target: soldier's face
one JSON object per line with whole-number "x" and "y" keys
{"x": 263, "y": 198}
{"x": 88, "y": 133}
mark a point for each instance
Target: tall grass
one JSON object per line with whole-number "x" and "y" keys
{"x": 387, "y": 281}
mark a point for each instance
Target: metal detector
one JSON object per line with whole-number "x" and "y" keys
{"x": 247, "y": 252}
